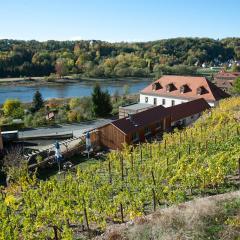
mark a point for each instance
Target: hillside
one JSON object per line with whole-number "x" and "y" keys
{"x": 201, "y": 160}
{"x": 216, "y": 217}
{"x": 104, "y": 59}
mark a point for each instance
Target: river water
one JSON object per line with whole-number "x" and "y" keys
{"x": 66, "y": 90}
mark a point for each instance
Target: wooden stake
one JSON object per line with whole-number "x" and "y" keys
{"x": 153, "y": 178}
{"x": 122, "y": 174}
{"x": 154, "y": 200}
{"x": 85, "y": 215}
{"x": 189, "y": 149}
{"x": 141, "y": 153}
{"x": 132, "y": 160}
{"x": 109, "y": 171}
{"x": 121, "y": 210}
{"x": 239, "y": 168}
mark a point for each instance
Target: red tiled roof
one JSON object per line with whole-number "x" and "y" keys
{"x": 141, "y": 119}
{"x": 187, "y": 109}
{"x": 212, "y": 93}
{"x": 224, "y": 74}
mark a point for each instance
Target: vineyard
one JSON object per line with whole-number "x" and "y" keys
{"x": 198, "y": 160}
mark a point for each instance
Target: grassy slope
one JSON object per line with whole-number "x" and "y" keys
{"x": 216, "y": 217}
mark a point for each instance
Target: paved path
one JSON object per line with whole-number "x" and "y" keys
{"x": 76, "y": 129}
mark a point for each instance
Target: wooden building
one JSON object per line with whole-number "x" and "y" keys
{"x": 1, "y": 141}
{"x": 134, "y": 128}
{"x": 145, "y": 124}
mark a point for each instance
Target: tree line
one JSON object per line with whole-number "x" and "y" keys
{"x": 103, "y": 59}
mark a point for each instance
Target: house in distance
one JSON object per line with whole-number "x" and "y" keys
{"x": 224, "y": 80}
{"x": 172, "y": 90}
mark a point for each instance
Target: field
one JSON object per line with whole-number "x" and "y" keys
{"x": 198, "y": 161}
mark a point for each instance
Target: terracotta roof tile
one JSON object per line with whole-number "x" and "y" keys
{"x": 141, "y": 119}
{"x": 212, "y": 92}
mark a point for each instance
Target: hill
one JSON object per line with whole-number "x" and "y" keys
{"x": 216, "y": 217}
{"x": 104, "y": 59}
{"x": 200, "y": 160}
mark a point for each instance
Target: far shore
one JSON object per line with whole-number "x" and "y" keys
{"x": 40, "y": 81}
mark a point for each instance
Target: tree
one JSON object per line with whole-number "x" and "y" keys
{"x": 101, "y": 102}
{"x": 61, "y": 67}
{"x": 13, "y": 108}
{"x": 37, "y": 101}
{"x": 236, "y": 85}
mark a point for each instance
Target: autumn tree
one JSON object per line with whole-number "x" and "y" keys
{"x": 13, "y": 108}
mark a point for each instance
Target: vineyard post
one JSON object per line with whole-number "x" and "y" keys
{"x": 85, "y": 214}
{"x": 153, "y": 178}
{"x": 141, "y": 152}
{"x": 239, "y": 168}
{"x": 109, "y": 170}
{"x": 189, "y": 149}
{"x": 132, "y": 161}
{"x": 180, "y": 138}
{"x": 154, "y": 199}
{"x": 150, "y": 151}
{"x": 199, "y": 146}
{"x": 122, "y": 174}
{"x": 121, "y": 210}
{"x": 179, "y": 155}
{"x": 206, "y": 143}
{"x": 165, "y": 144}
{"x": 55, "y": 233}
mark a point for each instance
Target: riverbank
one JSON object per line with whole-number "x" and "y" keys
{"x": 43, "y": 81}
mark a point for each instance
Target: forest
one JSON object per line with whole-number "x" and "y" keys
{"x": 103, "y": 59}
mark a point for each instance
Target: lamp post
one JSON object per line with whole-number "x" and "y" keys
{"x": 88, "y": 143}
{"x": 58, "y": 155}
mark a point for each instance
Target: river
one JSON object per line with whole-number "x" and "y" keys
{"x": 66, "y": 90}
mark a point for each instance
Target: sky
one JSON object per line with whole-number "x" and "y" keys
{"x": 118, "y": 20}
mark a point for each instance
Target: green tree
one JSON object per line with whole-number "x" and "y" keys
{"x": 236, "y": 85}
{"x": 37, "y": 101}
{"x": 13, "y": 108}
{"x": 101, "y": 102}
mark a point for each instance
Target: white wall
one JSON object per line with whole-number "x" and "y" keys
{"x": 168, "y": 100}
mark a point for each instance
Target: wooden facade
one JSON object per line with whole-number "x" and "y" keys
{"x": 113, "y": 138}
{"x": 1, "y": 141}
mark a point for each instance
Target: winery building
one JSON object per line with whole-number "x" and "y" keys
{"x": 146, "y": 124}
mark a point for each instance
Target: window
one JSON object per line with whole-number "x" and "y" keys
{"x": 163, "y": 101}
{"x": 146, "y": 99}
{"x": 135, "y": 137}
{"x": 147, "y": 130}
{"x": 155, "y": 101}
{"x": 173, "y": 102}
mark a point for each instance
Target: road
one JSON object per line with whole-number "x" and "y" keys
{"x": 77, "y": 129}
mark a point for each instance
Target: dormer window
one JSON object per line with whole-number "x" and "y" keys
{"x": 201, "y": 90}
{"x": 156, "y": 86}
{"x": 184, "y": 88}
{"x": 170, "y": 87}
